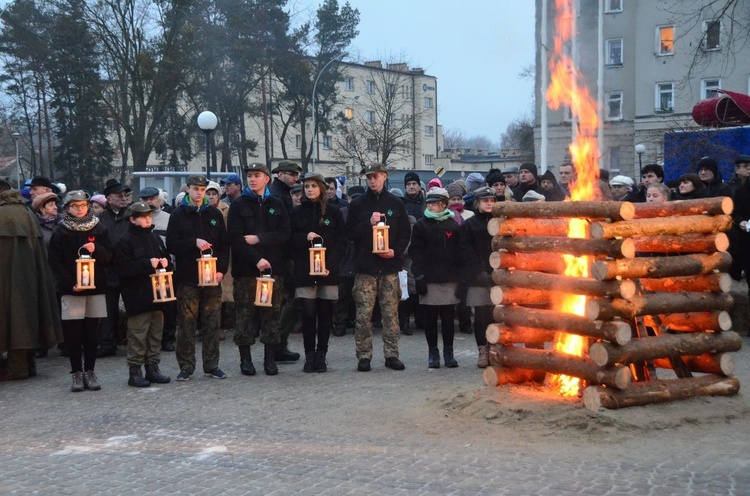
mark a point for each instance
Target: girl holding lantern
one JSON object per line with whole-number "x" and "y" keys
{"x": 318, "y": 243}
{"x": 80, "y": 283}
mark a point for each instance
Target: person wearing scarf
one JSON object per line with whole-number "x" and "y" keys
{"x": 81, "y": 232}
{"x": 436, "y": 264}
{"x": 258, "y": 230}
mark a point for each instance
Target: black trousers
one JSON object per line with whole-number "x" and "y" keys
{"x": 81, "y": 337}
{"x": 447, "y": 313}
{"x": 317, "y": 315}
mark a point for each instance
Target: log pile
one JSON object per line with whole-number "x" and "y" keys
{"x": 656, "y": 297}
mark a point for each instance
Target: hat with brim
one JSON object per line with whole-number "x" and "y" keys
{"x": 742, "y": 159}
{"x": 148, "y": 192}
{"x": 621, "y": 181}
{"x": 44, "y": 182}
{"x": 532, "y": 196}
{"x": 197, "y": 180}
{"x": 484, "y": 192}
{"x": 257, "y": 168}
{"x": 373, "y": 168}
{"x": 437, "y": 195}
{"x": 296, "y": 188}
{"x": 287, "y": 166}
{"x": 41, "y": 200}
{"x": 511, "y": 170}
{"x": 76, "y": 196}
{"x": 114, "y": 186}
{"x": 214, "y": 186}
{"x": 139, "y": 208}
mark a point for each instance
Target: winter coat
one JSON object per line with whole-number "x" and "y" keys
{"x": 359, "y": 230}
{"x": 280, "y": 190}
{"x": 693, "y": 195}
{"x": 717, "y": 187}
{"x": 414, "y": 205}
{"x": 739, "y": 238}
{"x": 266, "y": 218}
{"x": 117, "y": 226}
{"x": 476, "y": 248}
{"x": 29, "y": 313}
{"x": 435, "y": 251}
{"x": 305, "y": 219}
{"x": 63, "y": 252}
{"x": 133, "y": 265}
{"x": 188, "y": 223}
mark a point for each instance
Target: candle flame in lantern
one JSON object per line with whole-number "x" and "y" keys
{"x": 567, "y": 89}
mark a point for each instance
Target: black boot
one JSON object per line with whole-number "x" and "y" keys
{"x": 309, "y": 362}
{"x": 269, "y": 363}
{"x": 136, "y": 378}
{"x": 154, "y": 375}
{"x": 246, "y": 361}
{"x": 433, "y": 359}
{"x": 320, "y": 362}
{"x": 283, "y": 355}
{"x": 450, "y": 361}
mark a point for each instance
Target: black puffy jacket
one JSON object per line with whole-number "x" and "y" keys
{"x": 305, "y": 219}
{"x": 63, "y": 252}
{"x": 435, "y": 251}
{"x": 476, "y": 248}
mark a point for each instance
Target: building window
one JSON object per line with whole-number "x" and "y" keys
{"x": 390, "y": 90}
{"x": 712, "y": 35}
{"x": 666, "y": 40}
{"x": 326, "y": 142}
{"x": 429, "y": 130}
{"x": 348, "y": 113}
{"x": 664, "y": 97}
{"x": 298, "y": 141}
{"x": 391, "y": 120}
{"x": 709, "y": 87}
{"x": 428, "y": 159}
{"x": 427, "y": 102}
{"x": 614, "y": 158}
{"x": 372, "y": 145}
{"x": 614, "y": 52}
{"x": 614, "y": 106}
{"x": 613, "y": 6}
{"x": 349, "y": 84}
{"x": 370, "y": 87}
{"x": 370, "y": 116}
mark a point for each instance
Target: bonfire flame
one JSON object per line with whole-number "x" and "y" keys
{"x": 568, "y": 90}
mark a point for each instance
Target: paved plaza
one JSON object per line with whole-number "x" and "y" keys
{"x": 419, "y": 431}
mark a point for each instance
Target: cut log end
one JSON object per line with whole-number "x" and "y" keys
{"x": 494, "y": 257}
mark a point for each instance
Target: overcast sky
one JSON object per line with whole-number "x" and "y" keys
{"x": 475, "y": 48}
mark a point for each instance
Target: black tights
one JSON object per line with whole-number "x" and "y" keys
{"x": 81, "y": 337}
{"x": 482, "y": 318}
{"x": 447, "y": 314}
{"x": 317, "y": 319}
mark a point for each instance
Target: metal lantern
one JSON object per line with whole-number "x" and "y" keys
{"x": 380, "y": 238}
{"x": 161, "y": 284}
{"x": 85, "y": 271}
{"x": 264, "y": 290}
{"x": 317, "y": 258}
{"x": 207, "y": 270}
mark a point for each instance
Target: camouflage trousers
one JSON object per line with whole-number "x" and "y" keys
{"x": 368, "y": 290}
{"x": 191, "y": 302}
{"x": 144, "y": 338}
{"x": 248, "y": 314}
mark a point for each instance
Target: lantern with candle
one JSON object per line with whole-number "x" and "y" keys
{"x": 207, "y": 269}
{"x": 85, "y": 268}
{"x": 317, "y": 258}
{"x": 380, "y": 238}
{"x": 161, "y": 284}
{"x": 264, "y": 290}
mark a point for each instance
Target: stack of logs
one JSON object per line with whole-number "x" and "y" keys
{"x": 657, "y": 297}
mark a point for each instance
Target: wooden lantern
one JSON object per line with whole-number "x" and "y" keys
{"x": 380, "y": 238}
{"x": 161, "y": 284}
{"x": 207, "y": 270}
{"x": 85, "y": 271}
{"x": 264, "y": 290}
{"x": 318, "y": 259}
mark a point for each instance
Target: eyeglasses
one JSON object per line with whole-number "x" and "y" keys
{"x": 78, "y": 206}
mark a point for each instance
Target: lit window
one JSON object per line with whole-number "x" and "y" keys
{"x": 711, "y": 35}
{"x": 326, "y": 142}
{"x": 613, "y": 6}
{"x": 666, "y": 40}
{"x": 370, "y": 116}
{"x": 614, "y": 106}
{"x": 664, "y": 97}
{"x": 348, "y": 113}
{"x": 429, "y": 130}
{"x": 427, "y": 102}
{"x": 370, "y": 87}
{"x": 614, "y": 52}
{"x": 349, "y": 84}
{"x": 709, "y": 87}
{"x": 428, "y": 159}
{"x": 298, "y": 141}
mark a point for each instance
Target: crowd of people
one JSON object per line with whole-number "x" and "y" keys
{"x": 434, "y": 267}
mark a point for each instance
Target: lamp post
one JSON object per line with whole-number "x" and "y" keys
{"x": 314, "y": 106}
{"x": 639, "y": 149}
{"x": 16, "y": 136}
{"x": 207, "y": 122}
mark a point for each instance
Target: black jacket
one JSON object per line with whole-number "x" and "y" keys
{"x": 415, "y": 205}
{"x": 717, "y": 187}
{"x": 359, "y": 230}
{"x": 133, "y": 266}
{"x": 280, "y": 190}
{"x": 188, "y": 223}
{"x": 476, "y": 248}
{"x": 305, "y": 219}
{"x": 435, "y": 252}
{"x": 117, "y": 225}
{"x": 268, "y": 219}
{"x": 63, "y": 252}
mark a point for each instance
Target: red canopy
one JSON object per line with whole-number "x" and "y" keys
{"x": 730, "y": 109}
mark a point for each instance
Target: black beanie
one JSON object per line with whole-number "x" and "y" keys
{"x": 495, "y": 176}
{"x": 531, "y": 167}
{"x": 411, "y": 176}
{"x": 710, "y": 164}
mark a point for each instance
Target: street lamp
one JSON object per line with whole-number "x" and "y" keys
{"x": 16, "y": 136}
{"x": 207, "y": 122}
{"x": 314, "y": 106}
{"x": 639, "y": 149}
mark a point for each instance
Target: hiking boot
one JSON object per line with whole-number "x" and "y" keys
{"x": 216, "y": 373}
{"x": 269, "y": 362}
{"x": 283, "y": 355}
{"x": 309, "y": 362}
{"x": 394, "y": 363}
{"x": 136, "y": 378}
{"x": 90, "y": 381}
{"x": 246, "y": 361}
{"x": 320, "y": 362}
{"x": 339, "y": 331}
{"x": 484, "y": 356}
{"x": 77, "y": 385}
{"x": 182, "y": 376}
{"x": 363, "y": 365}
{"x": 167, "y": 346}
{"x": 433, "y": 358}
{"x": 154, "y": 375}
{"x": 405, "y": 329}
{"x": 448, "y": 358}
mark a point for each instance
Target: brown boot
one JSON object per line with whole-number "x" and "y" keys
{"x": 484, "y": 356}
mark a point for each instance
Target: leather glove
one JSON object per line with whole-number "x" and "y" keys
{"x": 421, "y": 286}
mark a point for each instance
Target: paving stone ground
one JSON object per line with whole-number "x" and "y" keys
{"x": 415, "y": 432}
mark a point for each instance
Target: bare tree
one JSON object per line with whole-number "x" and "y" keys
{"x": 453, "y": 138}
{"x": 519, "y": 135}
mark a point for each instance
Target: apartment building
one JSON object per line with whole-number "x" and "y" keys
{"x": 647, "y": 63}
